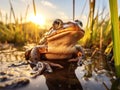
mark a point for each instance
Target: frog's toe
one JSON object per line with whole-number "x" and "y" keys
{"x": 48, "y": 67}
{"x": 38, "y": 69}
{"x": 55, "y": 65}
{"x": 73, "y": 60}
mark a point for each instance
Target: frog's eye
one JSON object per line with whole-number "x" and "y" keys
{"x": 59, "y": 24}
{"x": 58, "y": 21}
{"x": 79, "y": 22}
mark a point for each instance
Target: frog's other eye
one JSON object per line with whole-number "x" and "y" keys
{"x": 79, "y": 23}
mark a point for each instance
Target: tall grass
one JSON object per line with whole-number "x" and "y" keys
{"x": 12, "y": 11}
{"x": 26, "y": 13}
{"x": 89, "y": 28}
{"x": 99, "y": 28}
{"x": 19, "y": 33}
{"x": 34, "y": 7}
{"x": 14, "y": 33}
{"x": 115, "y": 34}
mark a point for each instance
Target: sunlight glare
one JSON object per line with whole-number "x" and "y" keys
{"x": 38, "y": 19}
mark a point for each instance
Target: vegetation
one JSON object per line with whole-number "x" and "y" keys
{"x": 97, "y": 30}
{"x": 115, "y": 34}
{"x": 106, "y": 32}
{"x": 20, "y": 34}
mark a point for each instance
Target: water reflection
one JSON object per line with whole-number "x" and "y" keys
{"x": 95, "y": 82}
{"x": 63, "y": 79}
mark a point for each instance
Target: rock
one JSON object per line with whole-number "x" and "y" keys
{"x": 18, "y": 82}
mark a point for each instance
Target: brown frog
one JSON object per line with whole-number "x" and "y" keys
{"x": 60, "y": 43}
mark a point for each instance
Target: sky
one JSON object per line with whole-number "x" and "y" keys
{"x": 53, "y": 9}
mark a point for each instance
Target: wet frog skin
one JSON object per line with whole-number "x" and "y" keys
{"x": 60, "y": 45}
{"x": 63, "y": 43}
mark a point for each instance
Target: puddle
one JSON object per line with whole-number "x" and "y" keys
{"x": 15, "y": 74}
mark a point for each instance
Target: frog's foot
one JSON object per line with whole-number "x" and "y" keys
{"x": 54, "y": 64}
{"x": 38, "y": 69}
{"x": 42, "y": 67}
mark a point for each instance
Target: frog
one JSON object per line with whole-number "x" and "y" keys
{"x": 60, "y": 43}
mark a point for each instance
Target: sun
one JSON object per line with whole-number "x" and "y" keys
{"x": 37, "y": 19}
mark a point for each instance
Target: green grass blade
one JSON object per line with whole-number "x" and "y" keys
{"x": 115, "y": 34}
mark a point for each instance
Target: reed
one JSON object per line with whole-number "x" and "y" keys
{"x": 115, "y": 34}
{"x": 34, "y": 7}
{"x": 12, "y": 11}
{"x": 0, "y": 15}
{"x": 26, "y": 13}
{"x": 89, "y": 28}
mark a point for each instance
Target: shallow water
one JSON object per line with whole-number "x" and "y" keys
{"x": 15, "y": 74}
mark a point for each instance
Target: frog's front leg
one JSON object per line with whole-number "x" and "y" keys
{"x": 34, "y": 54}
{"x": 80, "y": 51}
{"x": 80, "y": 55}
{"x": 40, "y": 66}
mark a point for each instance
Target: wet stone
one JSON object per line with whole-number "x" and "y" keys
{"x": 4, "y": 78}
{"x": 2, "y": 73}
{"x": 19, "y": 82}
